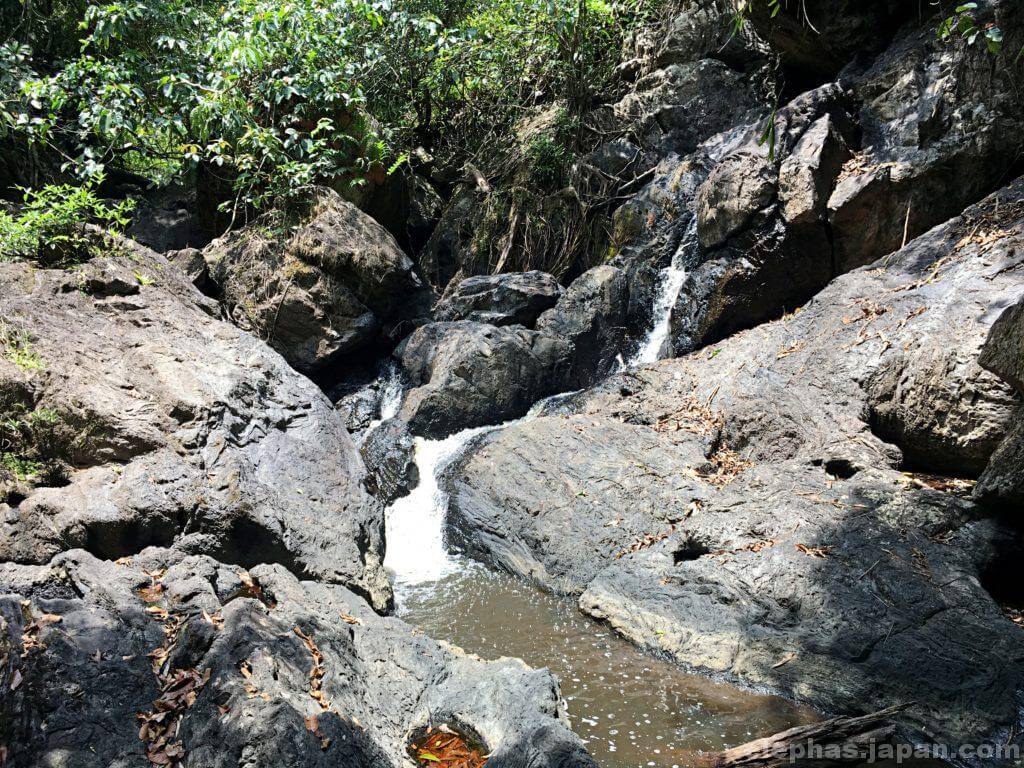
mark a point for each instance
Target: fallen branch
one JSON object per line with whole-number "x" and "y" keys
{"x": 840, "y": 736}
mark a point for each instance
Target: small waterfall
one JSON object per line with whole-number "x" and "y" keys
{"x": 390, "y": 394}
{"x": 672, "y": 279}
{"x": 414, "y": 525}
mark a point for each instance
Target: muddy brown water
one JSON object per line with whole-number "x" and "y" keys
{"x": 631, "y": 709}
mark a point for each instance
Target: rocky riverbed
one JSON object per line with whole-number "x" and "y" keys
{"x": 759, "y": 443}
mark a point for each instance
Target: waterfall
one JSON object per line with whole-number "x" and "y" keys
{"x": 672, "y": 278}
{"x": 414, "y": 525}
{"x": 390, "y": 395}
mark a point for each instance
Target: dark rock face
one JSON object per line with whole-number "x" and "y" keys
{"x": 177, "y": 430}
{"x": 592, "y": 315}
{"x": 387, "y": 451}
{"x": 1002, "y": 482}
{"x": 317, "y": 291}
{"x": 817, "y": 38}
{"x": 736, "y": 510}
{"x": 407, "y": 206}
{"x": 467, "y": 374}
{"x": 848, "y": 173}
{"x": 513, "y": 298}
{"x": 283, "y": 672}
{"x": 168, "y": 221}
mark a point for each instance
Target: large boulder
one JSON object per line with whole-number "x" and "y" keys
{"x": 785, "y": 545}
{"x": 513, "y": 298}
{"x": 165, "y": 659}
{"x": 1002, "y": 482}
{"x": 467, "y": 374}
{"x": 317, "y": 287}
{"x": 159, "y": 424}
{"x": 591, "y": 314}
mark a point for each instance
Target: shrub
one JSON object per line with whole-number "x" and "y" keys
{"x": 50, "y": 226}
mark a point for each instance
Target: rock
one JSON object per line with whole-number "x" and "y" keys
{"x": 806, "y": 175}
{"x": 167, "y": 220}
{"x": 674, "y": 109}
{"x": 783, "y": 546}
{"x": 388, "y": 452}
{"x": 174, "y": 428}
{"x": 318, "y": 288}
{"x": 817, "y": 38}
{"x": 737, "y": 189}
{"x": 192, "y": 262}
{"x": 268, "y": 670}
{"x": 467, "y": 374}
{"x": 515, "y": 298}
{"x": 938, "y": 121}
{"x": 1003, "y": 353}
{"x": 450, "y": 244}
{"x": 1002, "y": 482}
{"x": 591, "y": 314}
{"x": 407, "y": 206}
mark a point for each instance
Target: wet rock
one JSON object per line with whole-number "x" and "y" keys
{"x": 271, "y": 670}
{"x": 591, "y": 314}
{"x": 783, "y": 546}
{"x": 388, "y": 452}
{"x": 316, "y": 288}
{"x": 466, "y": 374}
{"x": 175, "y": 428}
{"x": 514, "y": 298}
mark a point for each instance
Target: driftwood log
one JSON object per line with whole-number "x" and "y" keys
{"x": 845, "y": 736}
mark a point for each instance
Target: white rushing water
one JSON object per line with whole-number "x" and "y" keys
{"x": 672, "y": 278}
{"x": 390, "y": 395}
{"x": 415, "y": 524}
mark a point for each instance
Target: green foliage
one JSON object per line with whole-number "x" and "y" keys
{"x": 33, "y": 445}
{"x": 273, "y": 97}
{"x": 964, "y": 24}
{"x": 549, "y": 161}
{"x": 16, "y": 346}
{"x": 50, "y": 226}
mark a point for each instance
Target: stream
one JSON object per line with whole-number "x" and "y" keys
{"x": 631, "y": 709}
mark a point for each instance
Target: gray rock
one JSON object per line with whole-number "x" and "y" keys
{"x": 735, "y": 510}
{"x": 467, "y": 374}
{"x": 316, "y": 288}
{"x": 1002, "y": 482}
{"x": 281, "y": 672}
{"x": 1003, "y": 353}
{"x": 591, "y": 314}
{"x": 175, "y": 429}
{"x": 387, "y": 452}
{"x": 514, "y": 298}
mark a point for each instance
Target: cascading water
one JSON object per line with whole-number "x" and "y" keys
{"x": 631, "y": 710}
{"x": 390, "y": 395}
{"x": 414, "y": 524}
{"x": 672, "y": 279}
